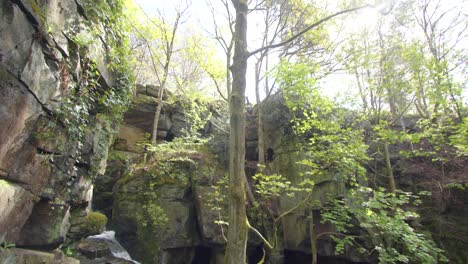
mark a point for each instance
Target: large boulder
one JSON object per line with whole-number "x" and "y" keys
{"x": 102, "y": 249}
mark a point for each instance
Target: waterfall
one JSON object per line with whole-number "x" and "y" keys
{"x": 117, "y": 250}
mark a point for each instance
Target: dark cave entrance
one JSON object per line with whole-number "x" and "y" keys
{"x": 169, "y": 136}
{"x": 269, "y": 155}
{"x": 202, "y": 255}
{"x": 298, "y": 257}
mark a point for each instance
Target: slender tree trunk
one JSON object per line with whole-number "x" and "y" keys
{"x": 237, "y": 233}
{"x": 169, "y": 50}
{"x": 261, "y": 140}
{"x": 157, "y": 113}
{"x": 238, "y": 225}
{"x": 228, "y": 74}
{"x": 388, "y": 166}
{"x": 154, "y": 136}
{"x": 313, "y": 239}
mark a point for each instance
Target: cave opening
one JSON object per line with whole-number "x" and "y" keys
{"x": 298, "y": 257}
{"x": 270, "y": 153}
{"x": 202, "y": 255}
{"x": 170, "y": 136}
{"x": 254, "y": 253}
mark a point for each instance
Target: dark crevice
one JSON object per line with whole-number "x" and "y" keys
{"x": 43, "y": 106}
{"x": 104, "y": 43}
{"x": 82, "y": 165}
{"x": 39, "y": 34}
{"x": 28, "y": 14}
{"x": 57, "y": 46}
{"x": 81, "y": 10}
{"x": 42, "y": 151}
{"x": 14, "y": 181}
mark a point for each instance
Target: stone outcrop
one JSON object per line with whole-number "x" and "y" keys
{"x": 138, "y": 120}
{"x": 47, "y": 166}
{"x": 16, "y": 255}
{"x": 165, "y": 207}
{"x": 161, "y": 211}
{"x": 102, "y": 248}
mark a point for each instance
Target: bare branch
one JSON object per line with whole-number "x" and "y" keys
{"x": 305, "y": 30}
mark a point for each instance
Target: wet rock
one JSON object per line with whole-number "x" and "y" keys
{"x": 103, "y": 248}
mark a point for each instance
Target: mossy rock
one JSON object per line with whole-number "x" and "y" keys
{"x": 95, "y": 223}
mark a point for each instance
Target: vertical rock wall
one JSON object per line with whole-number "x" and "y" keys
{"x": 46, "y": 166}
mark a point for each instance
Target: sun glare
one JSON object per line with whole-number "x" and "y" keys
{"x": 366, "y": 18}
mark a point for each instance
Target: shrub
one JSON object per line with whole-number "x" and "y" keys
{"x": 95, "y": 223}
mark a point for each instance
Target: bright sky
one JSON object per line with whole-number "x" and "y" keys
{"x": 200, "y": 16}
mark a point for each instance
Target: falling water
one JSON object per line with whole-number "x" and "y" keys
{"x": 117, "y": 250}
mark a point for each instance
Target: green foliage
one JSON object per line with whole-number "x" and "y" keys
{"x": 179, "y": 148}
{"x": 274, "y": 185}
{"x": 444, "y": 140}
{"x": 197, "y": 115}
{"x": 459, "y": 138}
{"x": 271, "y": 185}
{"x": 330, "y": 146}
{"x": 95, "y": 222}
{"x": 151, "y": 219}
{"x": 83, "y": 39}
{"x": 6, "y": 245}
{"x": 88, "y": 96}
{"x": 74, "y": 111}
{"x": 117, "y": 155}
{"x": 459, "y": 186}
{"x": 217, "y": 201}
{"x": 70, "y": 252}
{"x": 382, "y": 217}
{"x": 88, "y": 102}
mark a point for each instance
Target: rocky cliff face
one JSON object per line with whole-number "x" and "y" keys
{"x": 51, "y": 145}
{"x": 283, "y": 154}
{"x": 161, "y": 209}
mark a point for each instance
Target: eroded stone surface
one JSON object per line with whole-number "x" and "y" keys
{"x": 47, "y": 226}
{"x": 16, "y": 205}
{"x": 40, "y": 159}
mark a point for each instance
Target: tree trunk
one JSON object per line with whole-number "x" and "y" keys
{"x": 388, "y": 166}
{"x": 157, "y": 113}
{"x": 237, "y": 233}
{"x": 228, "y": 74}
{"x": 261, "y": 140}
{"x": 313, "y": 239}
{"x": 154, "y": 136}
